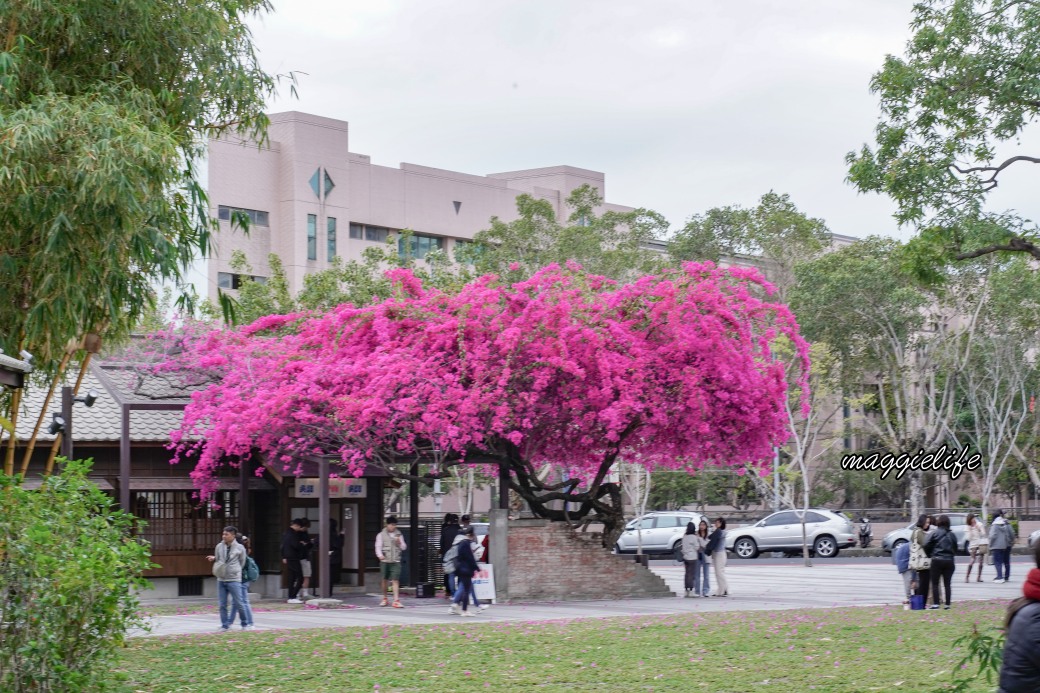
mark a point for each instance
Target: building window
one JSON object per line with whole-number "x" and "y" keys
{"x": 331, "y": 224}
{"x": 255, "y": 216}
{"x": 421, "y": 244}
{"x": 312, "y": 236}
{"x": 378, "y": 234}
{"x": 176, "y": 521}
{"x": 363, "y": 232}
{"x": 229, "y": 280}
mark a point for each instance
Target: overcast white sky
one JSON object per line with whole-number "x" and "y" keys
{"x": 684, "y": 104}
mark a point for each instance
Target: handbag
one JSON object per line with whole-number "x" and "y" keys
{"x": 916, "y": 602}
{"x": 918, "y": 559}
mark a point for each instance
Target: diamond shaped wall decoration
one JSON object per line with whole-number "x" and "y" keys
{"x": 458, "y": 205}
{"x": 315, "y": 180}
{"x": 329, "y": 185}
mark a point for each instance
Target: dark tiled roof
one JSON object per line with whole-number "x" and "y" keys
{"x": 101, "y": 422}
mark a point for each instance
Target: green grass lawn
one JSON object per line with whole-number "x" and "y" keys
{"x": 847, "y": 650}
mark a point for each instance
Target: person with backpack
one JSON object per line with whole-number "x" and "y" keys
{"x": 250, "y": 574}
{"x": 228, "y": 559}
{"x": 465, "y": 568}
{"x": 941, "y": 546}
{"x": 920, "y": 563}
{"x": 1020, "y": 668}
{"x": 449, "y": 530}
{"x": 1001, "y": 539}
{"x": 451, "y": 561}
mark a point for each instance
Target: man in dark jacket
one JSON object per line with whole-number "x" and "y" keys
{"x": 1020, "y": 670}
{"x": 465, "y": 567}
{"x": 294, "y": 549}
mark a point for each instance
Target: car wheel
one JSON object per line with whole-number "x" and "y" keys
{"x": 825, "y": 547}
{"x": 745, "y": 547}
{"x": 897, "y": 544}
{"x": 677, "y": 551}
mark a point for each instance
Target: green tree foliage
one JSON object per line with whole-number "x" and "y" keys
{"x": 614, "y": 244}
{"x": 953, "y": 110}
{"x": 70, "y": 567}
{"x": 105, "y": 106}
{"x": 873, "y": 316}
{"x": 671, "y": 490}
{"x": 775, "y": 233}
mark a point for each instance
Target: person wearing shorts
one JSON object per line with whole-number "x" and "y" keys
{"x": 389, "y": 546}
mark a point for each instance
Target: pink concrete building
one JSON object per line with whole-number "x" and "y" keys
{"x": 309, "y": 199}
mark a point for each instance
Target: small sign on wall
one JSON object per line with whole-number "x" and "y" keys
{"x": 338, "y": 488}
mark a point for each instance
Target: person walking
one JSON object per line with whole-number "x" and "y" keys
{"x": 478, "y": 555}
{"x": 941, "y": 546}
{"x": 691, "y": 552}
{"x": 1001, "y": 539}
{"x": 465, "y": 567}
{"x": 978, "y": 545}
{"x": 716, "y": 549}
{"x": 449, "y": 530}
{"x": 920, "y": 563}
{"x": 389, "y": 546}
{"x": 228, "y": 559}
{"x": 1020, "y": 667}
{"x": 292, "y": 551}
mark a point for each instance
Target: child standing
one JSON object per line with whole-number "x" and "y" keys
{"x": 901, "y": 557}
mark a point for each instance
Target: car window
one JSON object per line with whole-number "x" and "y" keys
{"x": 784, "y": 518}
{"x": 815, "y": 517}
{"x": 954, "y": 520}
{"x": 645, "y": 523}
{"x": 670, "y": 521}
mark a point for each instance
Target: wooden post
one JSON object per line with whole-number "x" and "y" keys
{"x": 124, "y": 459}
{"x": 413, "y": 511}
{"x": 503, "y": 486}
{"x": 324, "y": 542}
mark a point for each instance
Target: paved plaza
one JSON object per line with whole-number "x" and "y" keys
{"x": 754, "y": 585}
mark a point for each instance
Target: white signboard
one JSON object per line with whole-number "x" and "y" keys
{"x": 484, "y": 582}
{"x": 338, "y": 488}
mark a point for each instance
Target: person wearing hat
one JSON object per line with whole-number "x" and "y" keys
{"x": 1001, "y": 539}
{"x": 465, "y": 567}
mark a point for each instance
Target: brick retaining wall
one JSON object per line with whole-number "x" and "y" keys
{"x": 550, "y": 561}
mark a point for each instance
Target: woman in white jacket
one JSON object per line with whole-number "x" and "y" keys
{"x": 690, "y": 552}
{"x": 978, "y": 545}
{"x": 717, "y": 549}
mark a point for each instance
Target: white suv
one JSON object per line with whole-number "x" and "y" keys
{"x": 661, "y": 532}
{"x": 826, "y": 532}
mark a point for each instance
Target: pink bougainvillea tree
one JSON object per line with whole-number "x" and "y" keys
{"x": 672, "y": 371}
